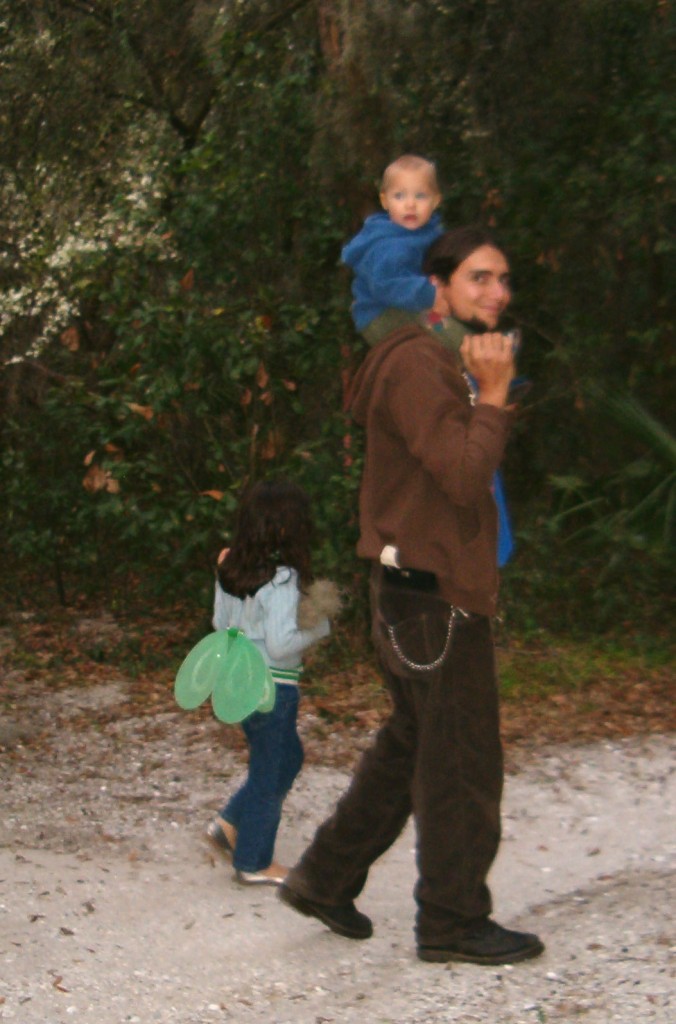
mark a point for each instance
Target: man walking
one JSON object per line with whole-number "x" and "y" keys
{"x": 436, "y": 426}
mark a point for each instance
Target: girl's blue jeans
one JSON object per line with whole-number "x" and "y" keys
{"x": 275, "y": 759}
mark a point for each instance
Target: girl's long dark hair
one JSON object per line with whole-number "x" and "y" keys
{"x": 274, "y": 527}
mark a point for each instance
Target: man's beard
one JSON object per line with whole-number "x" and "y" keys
{"x": 477, "y": 326}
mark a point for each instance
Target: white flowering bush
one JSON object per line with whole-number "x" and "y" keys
{"x": 47, "y": 268}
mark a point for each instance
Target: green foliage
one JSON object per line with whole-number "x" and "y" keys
{"x": 177, "y": 183}
{"x": 191, "y": 401}
{"x": 634, "y": 506}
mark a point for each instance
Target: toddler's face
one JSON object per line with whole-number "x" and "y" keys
{"x": 410, "y": 198}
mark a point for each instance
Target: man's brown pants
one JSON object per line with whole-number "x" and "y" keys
{"x": 438, "y": 756}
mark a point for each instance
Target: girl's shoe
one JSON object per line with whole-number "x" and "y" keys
{"x": 274, "y": 875}
{"x": 218, "y": 837}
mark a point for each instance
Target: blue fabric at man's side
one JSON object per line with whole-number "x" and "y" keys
{"x": 505, "y": 536}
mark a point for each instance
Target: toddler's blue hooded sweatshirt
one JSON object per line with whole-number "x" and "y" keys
{"x": 387, "y": 262}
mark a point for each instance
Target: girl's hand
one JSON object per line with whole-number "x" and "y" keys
{"x": 223, "y": 555}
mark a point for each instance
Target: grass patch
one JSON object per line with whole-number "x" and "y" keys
{"x": 549, "y": 664}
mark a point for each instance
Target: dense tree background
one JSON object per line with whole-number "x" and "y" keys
{"x": 176, "y": 180}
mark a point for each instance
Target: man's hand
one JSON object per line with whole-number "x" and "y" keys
{"x": 490, "y": 360}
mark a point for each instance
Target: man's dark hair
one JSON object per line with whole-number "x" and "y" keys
{"x": 445, "y": 255}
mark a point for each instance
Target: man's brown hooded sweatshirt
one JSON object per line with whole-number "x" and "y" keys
{"x": 430, "y": 460}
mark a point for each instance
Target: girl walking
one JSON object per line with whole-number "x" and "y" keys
{"x": 260, "y": 580}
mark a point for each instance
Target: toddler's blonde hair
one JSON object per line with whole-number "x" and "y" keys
{"x": 410, "y": 162}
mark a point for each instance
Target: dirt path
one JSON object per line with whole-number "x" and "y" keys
{"x": 112, "y": 908}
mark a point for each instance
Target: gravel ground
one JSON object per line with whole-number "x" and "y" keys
{"x": 113, "y": 909}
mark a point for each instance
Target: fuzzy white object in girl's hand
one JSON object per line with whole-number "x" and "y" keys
{"x": 322, "y": 601}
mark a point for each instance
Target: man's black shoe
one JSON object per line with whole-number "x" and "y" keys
{"x": 485, "y": 942}
{"x": 345, "y": 920}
